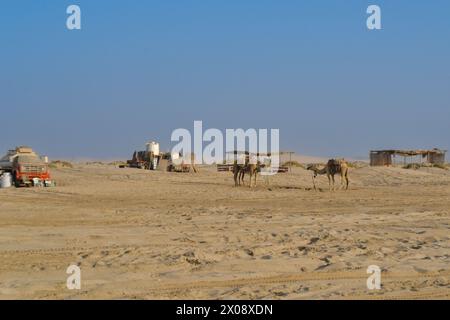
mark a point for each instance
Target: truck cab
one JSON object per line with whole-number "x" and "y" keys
{"x": 29, "y": 169}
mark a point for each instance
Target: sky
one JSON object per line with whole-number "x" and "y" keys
{"x": 137, "y": 70}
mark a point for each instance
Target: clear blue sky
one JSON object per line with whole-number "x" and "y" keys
{"x": 139, "y": 69}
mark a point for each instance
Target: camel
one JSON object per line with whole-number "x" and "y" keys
{"x": 252, "y": 170}
{"x": 331, "y": 168}
{"x": 239, "y": 171}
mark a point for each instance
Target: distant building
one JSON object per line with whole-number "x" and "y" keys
{"x": 388, "y": 157}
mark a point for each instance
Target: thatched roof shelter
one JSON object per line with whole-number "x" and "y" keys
{"x": 387, "y": 157}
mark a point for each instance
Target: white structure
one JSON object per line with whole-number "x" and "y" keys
{"x": 5, "y": 180}
{"x": 153, "y": 147}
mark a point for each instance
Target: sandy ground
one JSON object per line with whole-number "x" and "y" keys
{"x": 141, "y": 234}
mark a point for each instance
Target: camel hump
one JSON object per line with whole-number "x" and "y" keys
{"x": 333, "y": 162}
{"x": 334, "y": 166}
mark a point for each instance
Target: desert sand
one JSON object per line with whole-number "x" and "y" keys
{"x": 154, "y": 235}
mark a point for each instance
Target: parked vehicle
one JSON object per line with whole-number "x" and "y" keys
{"x": 148, "y": 159}
{"x": 26, "y": 167}
{"x": 143, "y": 160}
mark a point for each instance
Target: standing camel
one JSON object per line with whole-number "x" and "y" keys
{"x": 252, "y": 170}
{"x": 331, "y": 168}
{"x": 239, "y": 171}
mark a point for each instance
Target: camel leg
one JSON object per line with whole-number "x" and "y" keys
{"x": 267, "y": 180}
{"x": 314, "y": 183}
{"x": 241, "y": 177}
{"x": 346, "y": 180}
{"x": 252, "y": 179}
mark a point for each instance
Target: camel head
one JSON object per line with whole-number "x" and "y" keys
{"x": 312, "y": 167}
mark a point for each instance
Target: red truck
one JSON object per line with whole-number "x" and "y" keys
{"x": 27, "y": 168}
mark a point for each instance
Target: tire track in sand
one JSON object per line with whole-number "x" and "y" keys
{"x": 293, "y": 278}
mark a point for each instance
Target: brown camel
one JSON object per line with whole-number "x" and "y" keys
{"x": 252, "y": 170}
{"x": 331, "y": 168}
{"x": 239, "y": 171}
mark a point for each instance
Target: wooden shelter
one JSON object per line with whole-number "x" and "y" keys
{"x": 388, "y": 157}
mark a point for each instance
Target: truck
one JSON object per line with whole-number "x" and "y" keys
{"x": 27, "y": 167}
{"x": 164, "y": 161}
{"x": 143, "y": 160}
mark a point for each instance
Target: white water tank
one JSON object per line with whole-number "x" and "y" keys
{"x": 6, "y": 180}
{"x": 153, "y": 147}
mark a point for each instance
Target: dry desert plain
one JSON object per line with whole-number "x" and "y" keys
{"x": 154, "y": 235}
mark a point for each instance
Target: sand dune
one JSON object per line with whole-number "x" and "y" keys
{"x": 142, "y": 234}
